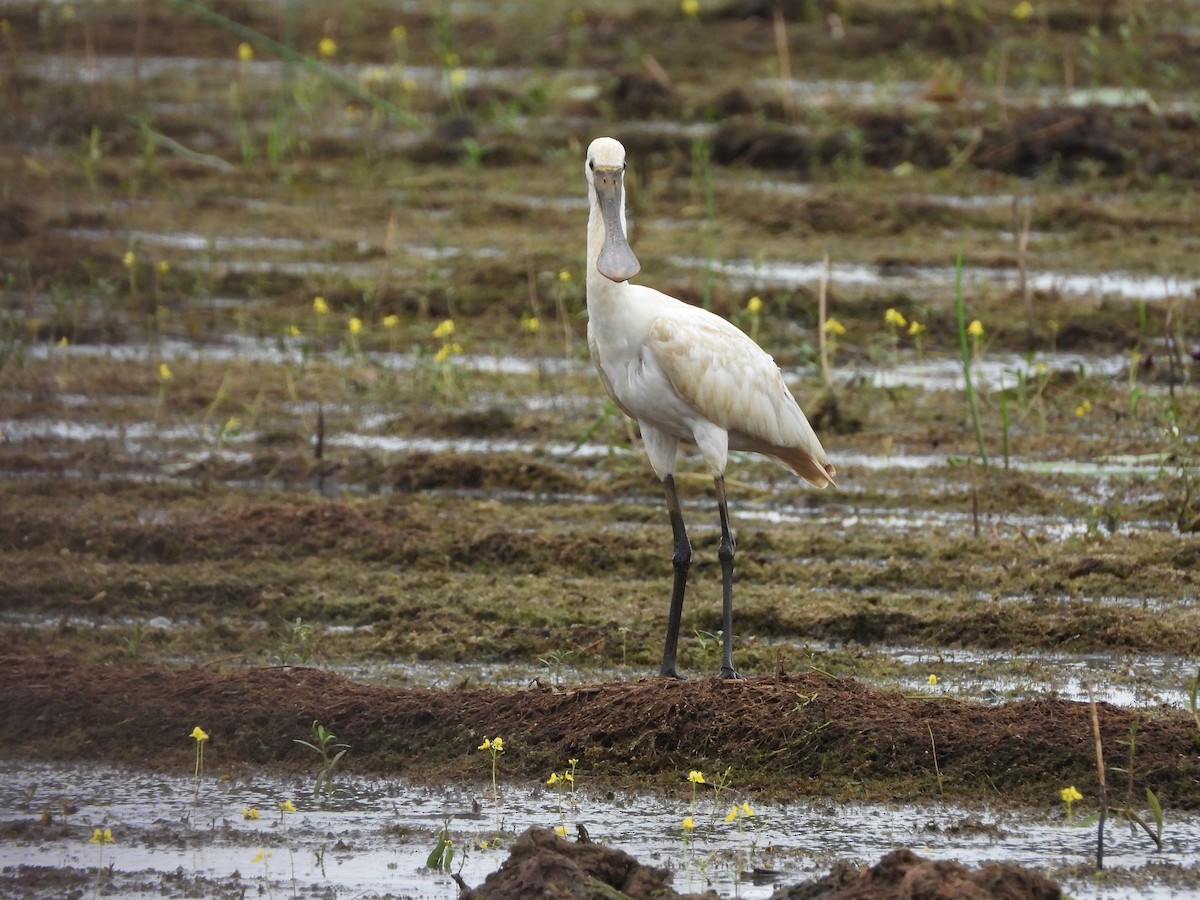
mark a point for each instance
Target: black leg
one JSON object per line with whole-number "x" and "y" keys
{"x": 682, "y": 560}
{"x": 725, "y": 553}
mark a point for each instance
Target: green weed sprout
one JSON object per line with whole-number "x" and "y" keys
{"x": 442, "y": 855}
{"x": 553, "y": 661}
{"x": 325, "y": 743}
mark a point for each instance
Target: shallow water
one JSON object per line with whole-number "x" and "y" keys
{"x": 374, "y": 835}
{"x": 759, "y": 275}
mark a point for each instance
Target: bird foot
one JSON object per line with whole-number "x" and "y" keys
{"x": 670, "y": 673}
{"x": 728, "y": 672}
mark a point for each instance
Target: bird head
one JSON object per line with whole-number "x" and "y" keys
{"x": 605, "y": 172}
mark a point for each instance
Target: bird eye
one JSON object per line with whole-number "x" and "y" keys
{"x": 592, "y": 164}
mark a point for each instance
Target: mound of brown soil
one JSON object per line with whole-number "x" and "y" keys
{"x": 541, "y": 864}
{"x": 801, "y": 734}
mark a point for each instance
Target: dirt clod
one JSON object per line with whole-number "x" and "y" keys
{"x": 903, "y": 875}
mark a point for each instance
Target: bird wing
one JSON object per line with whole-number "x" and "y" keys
{"x": 733, "y": 383}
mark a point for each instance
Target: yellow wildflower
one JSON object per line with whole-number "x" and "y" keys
{"x": 564, "y": 276}
{"x": 293, "y": 331}
{"x": 1070, "y": 795}
{"x": 975, "y": 329}
{"x": 746, "y": 810}
{"x": 391, "y": 321}
{"x": 495, "y": 744}
{"x": 355, "y": 325}
{"x": 198, "y": 733}
{"x": 754, "y": 306}
{"x": 162, "y": 266}
{"x": 834, "y": 327}
{"x": 260, "y": 856}
{"x": 553, "y": 779}
{"x": 696, "y": 776}
{"x": 688, "y": 824}
{"x": 245, "y": 52}
{"x": 399, "y": 33}
{"x": 894, "y": 318}
{"x": 249, "y": 812}
{"x": 164, "y": 374}
{"x": 458, "y": 77}
{"x": 530, "y": 323}
{"x": 320, "y": 307}
{"x": 915, "y": 328}
{"x": 327, "y": 47}
{"x": 568, "y": 778}
{"x": 129, "y": 260}
{"x": 101, "y": 836}
{"x": 63, "y": 341}
{"x": 560, "y": 830}
{"x": 444, "y": 329}
{"x": 732, "y": 814}
{"x": 932, "y": 679}
{"x": 690, "y": 8}
{"x": 1083, "y": 408}
{"x": 445, "y": 352}
{"x": 1022, "y": 11}
{"x": 287, "y": 806}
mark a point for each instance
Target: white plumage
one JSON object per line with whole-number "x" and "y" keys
{"x": 683, "y": 374}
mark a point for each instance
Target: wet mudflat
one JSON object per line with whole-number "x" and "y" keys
{"x": 297, "y": 423}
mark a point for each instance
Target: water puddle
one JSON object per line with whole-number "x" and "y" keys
{"x": 1144, "y": 681}
{"x": 373, "y": 835}
{"x": 758, "y": 275}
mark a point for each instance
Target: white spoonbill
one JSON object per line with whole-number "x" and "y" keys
{"x": 685, "y": 375}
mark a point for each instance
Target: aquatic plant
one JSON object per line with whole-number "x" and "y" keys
{"x": 494, "y": 746}
{"x": 101, "y": 836}
{"x": 201, "y": 737}
{"x": 695, "y": 777}
{"x": 442, "y": 855}
{"x": 262, "y": 856}
{"x": 975, "y": 330}
{"x": 754, "y": 310}
{"x": 326, "y": 745}
{"x": 553, "y": 663}
{"x": 297, "y": 641}
{"x": 1070, "y": 796}
{"x": 895, "y": 322}
{"x": 719, "y": 784}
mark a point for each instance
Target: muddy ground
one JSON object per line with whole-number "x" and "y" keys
{"x": 216, "y": 493}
